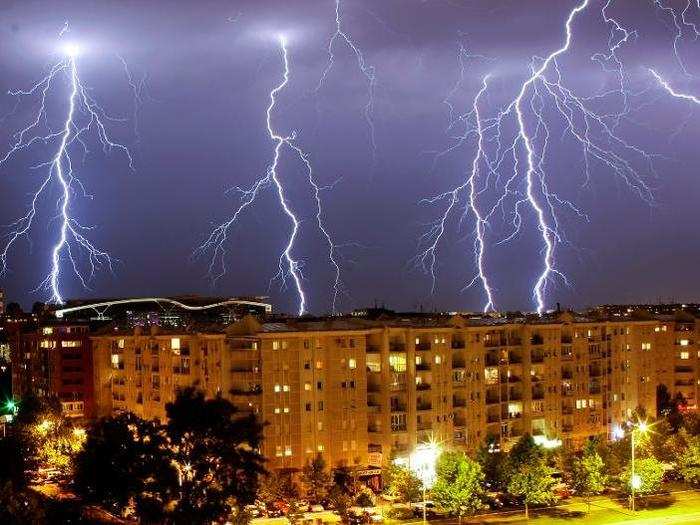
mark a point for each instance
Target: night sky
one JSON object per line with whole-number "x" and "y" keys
{"x": 210, "y": 67}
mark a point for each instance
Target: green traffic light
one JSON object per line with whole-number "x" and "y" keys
{"x": 11, "y": 405}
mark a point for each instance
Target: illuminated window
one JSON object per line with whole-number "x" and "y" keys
{"x": 277, "y": 410}
{"x": 419, "y": 360}
{"x": 47, "y": 344}
{"x": 319, "y": 425}
{"x": 374, "y": 362}
{"x": 590, "y": 333}
{"x": 120, "y": 343}
{"x": 685, "y": 355}
{"x": 275, "y": 345}
{"x": 320, "y": 448}
{"x": 285, "y": 388}
{"x": 278, "y": 451}
{"x": 286, "y": 410}
{"x": 71, "y": 344}
{"x": 417, "y": 340}
{"x": 319, "y": 365}
{"x": 684, "y": 342}
{"x": 307, "y": 386}
{"x": 646, "y": 346}
{"x": 438, "y": 359}
{"x": 47, "y": 330}
{"x": 657, "y": 329}
{"x": 277, "y": 388}
{"x": 174, "y": 343}
{"x": 352, "y": 364}
{"x": 288, "y": 450}
{"x": 397, "y": 362}
{"x": 436, "y": 340}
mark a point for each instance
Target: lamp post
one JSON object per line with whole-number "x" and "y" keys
{"x": 636, "y": 481}
{"x": 422, "y": 462}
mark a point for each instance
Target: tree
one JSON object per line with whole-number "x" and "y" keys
{"x": 277, "y": 486}
{"x": 316, "y": 479}
{"x": 340, "y": 500}
{"x": 530, "y": 477}
{"x": 689, "y": 461}
{"x": 650, "y": 471}
{"x": 458, "y": 485}
{"x": 588, "y": 473}
{"x": 124, "y": 464}
{"x": 19, "y": 506}
{"x": 401, "y": 483}
{"x": 495, "y": 468}
{"x": 215, "y": 454}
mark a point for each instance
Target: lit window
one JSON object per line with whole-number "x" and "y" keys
{"x": 71, "y": 344}
{"x": 320, "y": 448}
{"x": 646, "y": 346}
{"x": 174, "y": 343}
{"x": 685, "y": 355}
{"x": 275, "y": 345}
{"x": 288, "y": 450}
{"x": 657, "y": 329}
{"x": 419, "y": 360}
{"x": 684, "y": 342}
{"x": 319, "y": 364}
{"x": 47, "y": 330}
{"x": 277, "y": 410}
{"x": 277, "y": 388}
{"x": 278, "y": 451}
{"x": 438, "y": 359}
{"x": 320, "y": 425}
{"x": 417, "y": 340}
{"x": 307, "y": 386}
{"x": 352, "y": 364}
{"x": 436, "y": 340}
{"x": 120, "y": 343}
{"x": 286, "y": 410}
{"x": 353, "y": 445}
{"x": 285, "y": 388}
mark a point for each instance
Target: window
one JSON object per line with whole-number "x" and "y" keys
{"x": 685, "y": 355}
{"x": 646, "y": 346}
{"x": 319, "y": 425}
{"x": 286, "y": 410}
{"x": 438, "y": 359}
{"x": 308, "y": 407}
{"x": 320, "y": 448}
{"x": 684, "y": 342}
{"x": 353, "y": 445}
{"x": 120, "y": 343}
{"x": 275, "y": 345}
{"x": 47, "y": 330}
{"x": 374, "y": 362}
{"x": 277, "y": 410}
{"x": 320, "y": 406}
{"x": 277, "y": 388}
{"x": 288, "y": 450}
{"x": 307, "y": 386}
{"x": 397, "y": 362}
{"x": 71, "y": 344}
{"x": 47, "y": 344}
{"x": 174, "y": 343}
{"x": 319, "y": 385}
{"x": 352, "y": 363}
{"x": 319, "y": 365}
{"x": 285, "y": 388}
{"x": 278, "y": 451}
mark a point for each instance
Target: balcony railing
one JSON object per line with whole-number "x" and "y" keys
{"x": 397, "y": 347}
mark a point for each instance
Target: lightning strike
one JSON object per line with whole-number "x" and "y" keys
{"x": 367, "y": 70}
{"x": 671, "y": 91}
{"x": 542, "y": 96}
{"x": 289, "y": 267}
{"x": 83, "y": 116}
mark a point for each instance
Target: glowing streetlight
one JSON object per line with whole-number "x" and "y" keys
{"x": 422, "y": 462}
{"x": 635, "y": 481}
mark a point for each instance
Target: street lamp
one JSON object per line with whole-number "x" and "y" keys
{"x": 636, "y": 481}
{"x": 422, "y": 462}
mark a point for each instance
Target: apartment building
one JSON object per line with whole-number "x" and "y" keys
{"x": 56, "y": 359}
{"x": 363, "y": 391}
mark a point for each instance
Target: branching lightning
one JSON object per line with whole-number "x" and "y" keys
{"x": 83, "y": 116}
{"x": 290, "y": 267}
{"x": 671, "y": 91}
{"x": 367, "y": 70}
{"x": 542, "y": 94}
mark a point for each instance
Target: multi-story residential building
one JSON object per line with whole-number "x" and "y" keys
{"x": 56, "y": 359}
{"x": 362, "y": 391}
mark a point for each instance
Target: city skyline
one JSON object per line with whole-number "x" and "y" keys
{"x": 370, "y": 152}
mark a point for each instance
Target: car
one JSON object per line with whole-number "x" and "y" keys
{"x": 431, "y": 510}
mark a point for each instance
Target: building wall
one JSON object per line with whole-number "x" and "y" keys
{"x": 363, "y": 395}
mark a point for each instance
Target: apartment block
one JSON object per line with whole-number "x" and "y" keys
{"x": 363, "y": 391}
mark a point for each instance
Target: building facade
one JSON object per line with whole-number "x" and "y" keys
{"x": 362, "y": 392}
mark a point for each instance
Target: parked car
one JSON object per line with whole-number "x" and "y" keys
{"x": 431, "y": 510}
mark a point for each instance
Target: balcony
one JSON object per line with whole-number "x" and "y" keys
{"x": 538, "y": 394}
{"x": 423, "y": 347}
{"x": 493, "y": 418}
{"x": 492, "y": 360}
{"x": 423, "y": 386}
{"x": 424, "y": 426}
{"x": 458, "y": 345}
{"x": 458, "y": 363}
{"x": 374, "y": 387}
{"x": 459, "y": 403}
{"x": 398, "y": 407}
{"x": 536, "y": 340}
{"x": 492, "y": 400}
{"x": 567, "y": 374}
{"x": 373, "y": 349}
{"x": 684, "y": 369}
{"x": 424, "y": 405}
{"x": 537, "y": 357}
{"x": 567, "y": 428}
{"x": 514, "y": 358}
{"x": 255, "y": 390}
{"x": 374, "y": 429}
{"x": 422, "y": 367}
{"x": 396, "y": 346}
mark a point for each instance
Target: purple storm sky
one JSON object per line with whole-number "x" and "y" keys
{"x": 210, "y": 66}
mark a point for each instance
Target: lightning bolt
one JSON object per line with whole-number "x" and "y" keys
{"x": 541, "y": 97}
{"x": 680, "y": 23}
{"x": 367, "y": 70}
{"x": 84, "y": 115}
{"x": 289, "y": 266}
{"x": 671, "y": 91}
